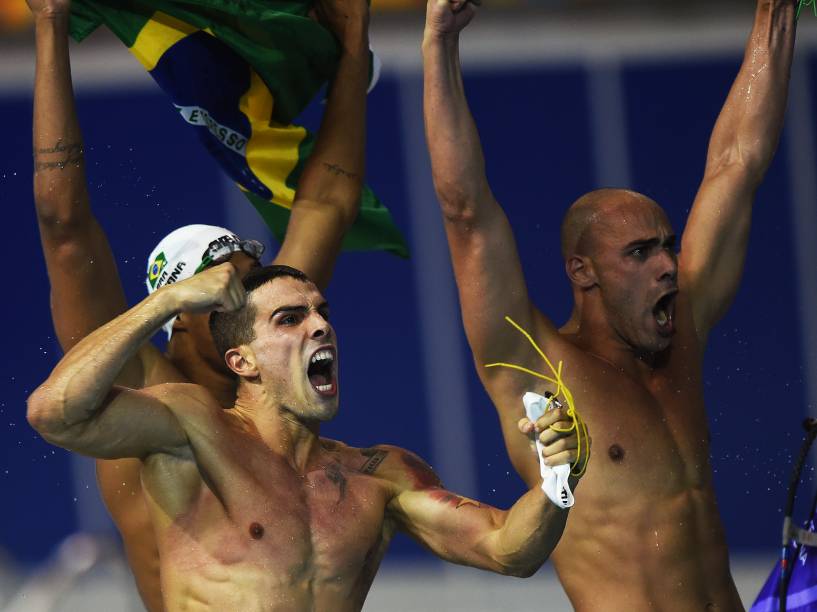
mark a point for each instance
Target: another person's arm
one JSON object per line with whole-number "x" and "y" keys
{"x": 85, "y": 288}
{"x": 80, "y": 408}
{"x": 483, "y": 250}
{"x": 516, "y": 542}
{"x": 743, "y": 142}
{"x": 328, "y": 195}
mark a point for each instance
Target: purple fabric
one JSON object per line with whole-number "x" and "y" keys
{"x": 802, "y": 592}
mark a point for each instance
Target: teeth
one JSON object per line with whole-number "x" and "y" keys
{"x": 324, "y": 387}
{"x": 661, "y": 317}
{"x": 322, "y": 356}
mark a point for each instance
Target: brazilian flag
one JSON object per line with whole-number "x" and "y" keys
{"x": 239, "y": 72}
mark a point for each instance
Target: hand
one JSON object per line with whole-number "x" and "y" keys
{"x": 344, "y": 18}
{"x": 217, "y": 288}
{"x": 49, "y": 8}
{"x": 447, "y": 17}
{"x": 559, "y": 447}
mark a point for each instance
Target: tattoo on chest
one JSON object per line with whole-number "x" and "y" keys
{"x": 375, "y": 458}
{"x": 334, "y": 474}
{"x": 66, "y": 154}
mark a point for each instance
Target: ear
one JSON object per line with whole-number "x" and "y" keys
{"x": 580, "y": 271}
{"x": 241, "y": 360}
{"x": 180, "y": 324}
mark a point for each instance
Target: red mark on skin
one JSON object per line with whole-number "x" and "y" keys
{"x": 256, "y": 531}
{"x": 455, "y": 501}
{"x": 422, "y": 476}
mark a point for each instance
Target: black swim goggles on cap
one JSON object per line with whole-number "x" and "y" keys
{"x": 220, "y": 250}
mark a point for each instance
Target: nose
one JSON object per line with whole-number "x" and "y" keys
{"x": 668, "y": 266}
{"x": 320, "y": 326}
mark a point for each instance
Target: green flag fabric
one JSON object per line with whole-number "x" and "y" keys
{"x": 239, "y": 72}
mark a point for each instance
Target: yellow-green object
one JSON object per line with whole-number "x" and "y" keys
{"x": 579, "y": 466}
{"x": 239, "y": 72}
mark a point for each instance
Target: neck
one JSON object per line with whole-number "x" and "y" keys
{"x": 197, "y": 369}
{"x": 593, "y": 334}
{"x": 280, "y": 429}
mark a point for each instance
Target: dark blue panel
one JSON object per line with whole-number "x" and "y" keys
{"x": 753, "y": 378}
{"x": 147, "y": 175}
{"x": 35, "y": 481}
{"x": 533, "y": 124}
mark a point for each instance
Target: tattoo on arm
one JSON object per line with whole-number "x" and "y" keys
{"x": 375, "y": 459}
{"x": 338, "y": 171}
{"x": 68, "y": 154}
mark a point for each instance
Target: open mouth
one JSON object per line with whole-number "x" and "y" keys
{"x": 664, "y": 311}
{"x": 321, "y": 371}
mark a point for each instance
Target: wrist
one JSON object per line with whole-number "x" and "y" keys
{"x": 49, "y": 17}
{"x": 166, "y": 302}
{"x": 434, "y": 39}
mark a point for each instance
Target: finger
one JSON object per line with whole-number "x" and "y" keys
{"x": 551, "y": 435}
{"x": 563, "y": 458}
{"x": 552, "y": 416}
{"x": 560, "y": 445}
{"x": 525, "y": 425}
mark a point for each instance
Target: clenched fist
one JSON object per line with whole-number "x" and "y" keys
{"x": 446, "y": 17}
{"x": 218, "y": 288}
{"x": 559, "y": 439}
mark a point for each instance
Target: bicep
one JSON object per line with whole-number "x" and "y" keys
{"x": 714, "y": 244}
{"x": 131, "y": 423}
{"x": 455, "y": 528}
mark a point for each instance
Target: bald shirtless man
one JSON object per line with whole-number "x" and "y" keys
{"x": 252, "y": 509}
{"x": 86, "y": 291}
{"x": 645, "y": 533}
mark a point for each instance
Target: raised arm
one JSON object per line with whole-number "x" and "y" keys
{"x": 741, "y": 147}
{"x": 328, "y": 195}
{"x": 85, "y": 288}
{"x": 79, "y": 408}
{"x": 516, "y": 542}
{"x": 483, "y": 251}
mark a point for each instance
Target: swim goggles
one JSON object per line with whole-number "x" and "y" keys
{"x": 220, "y": 250}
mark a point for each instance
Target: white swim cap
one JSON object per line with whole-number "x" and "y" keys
{"x": 190, "y": 249}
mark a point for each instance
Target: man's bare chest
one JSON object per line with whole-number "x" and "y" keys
{"x": 649, "y": 433}
{"x": 258, "y": 512}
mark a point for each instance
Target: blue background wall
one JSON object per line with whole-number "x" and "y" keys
{"x": 148, "y": 175}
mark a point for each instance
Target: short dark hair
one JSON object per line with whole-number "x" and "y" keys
{"x": 232, "y": 329}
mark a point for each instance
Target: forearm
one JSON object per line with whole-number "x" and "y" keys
{"x": 83, "y": 378}
{"x": 457, "y": 162}
{"x": 333, "y": 174}
{"x": 530, "y": 532}
{"x": 59, "y": 172}
{"x": 749, "y": 126}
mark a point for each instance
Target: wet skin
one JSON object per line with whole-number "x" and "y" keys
{"x": 193, "y": 358}
{"x": 646, "y": 514}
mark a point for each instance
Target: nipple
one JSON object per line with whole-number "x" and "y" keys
{"x": 256, "y": 531}
{"x": 616, "y": 453}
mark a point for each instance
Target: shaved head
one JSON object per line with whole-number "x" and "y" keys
{"x": 589, "y": 213}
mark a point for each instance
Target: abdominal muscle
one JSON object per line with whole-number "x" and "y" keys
{"x": 646, "y": 553}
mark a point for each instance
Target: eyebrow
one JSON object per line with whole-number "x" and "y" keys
{"x": 299, "y": 309}
{"x": 650, "y": 242}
